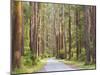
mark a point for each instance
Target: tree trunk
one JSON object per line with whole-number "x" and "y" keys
{"x": 17, "y": 32}
{"x": 93, "y": 32}
{"x": 86, "y": 34}
{"x": 69, "y": 26}
{"x": 77, "y": 33}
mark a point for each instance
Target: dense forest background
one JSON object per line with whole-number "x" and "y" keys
{"x": 45, "y": 30}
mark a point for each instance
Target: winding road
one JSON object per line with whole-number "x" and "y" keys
{"x": 53, "y": 64}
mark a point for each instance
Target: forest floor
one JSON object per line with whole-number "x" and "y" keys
{"x": 53, "y": 64}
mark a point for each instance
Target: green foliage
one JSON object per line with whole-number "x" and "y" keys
{"x": 62, "y": 54}
{"x": 79, "y": 65}
{"x": 46, "y": 34}
{"x": 82, "y": 56}
{"x": 36, "y": 60}
{"x": 73, "y": 54}
{"x": 30, "y": 69}
{"x": 26, "y": 11}
{"x": 46, "y": 55}
{"x": 27, "y": 58}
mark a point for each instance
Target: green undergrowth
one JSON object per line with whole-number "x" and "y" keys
{"x": 30, "y": 63}
{"x": 79, "y": 65}
{"x": 30, "y": 68}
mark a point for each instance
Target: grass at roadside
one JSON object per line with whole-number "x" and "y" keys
{"x": 78, "y": 65}
{"x": 31, "y": 69}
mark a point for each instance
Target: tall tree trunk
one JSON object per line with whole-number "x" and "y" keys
{"x": 38, "y": 27}
{"x": 69, "y": 34}
{"x": 32, "y": 29}
{"x": 54, "y": 26}
{"x": 22, "y": 50}
{"x": 86, "y": 34}
{"x": 64, "y": 32}
{"x": 77, "y": 32}
{"x": 93, "y": 32}
{"x": 17, "y": 31}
